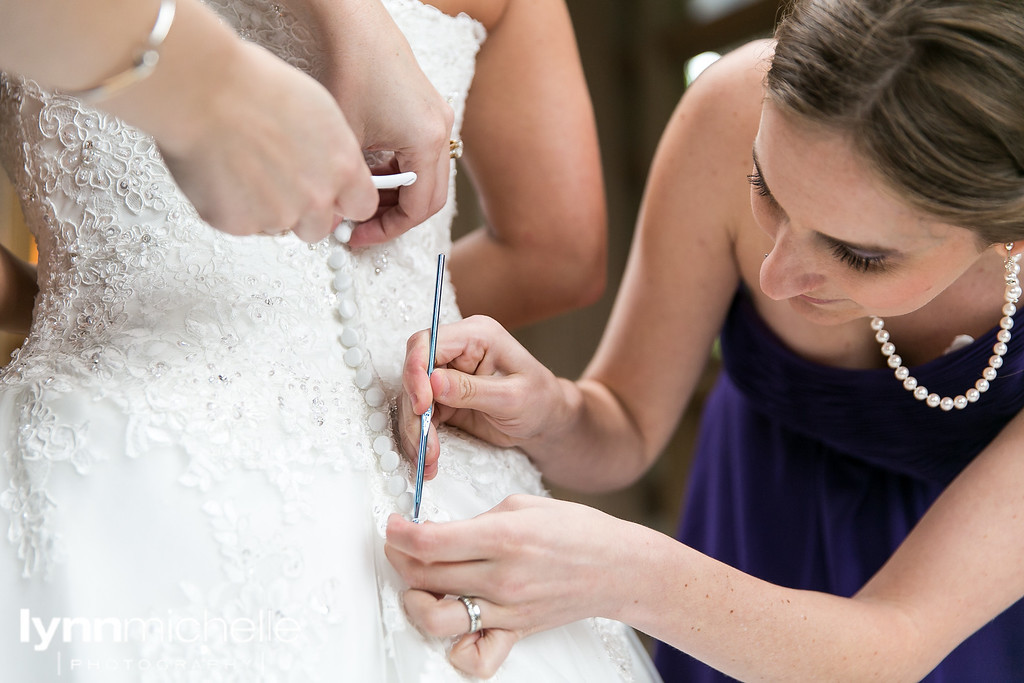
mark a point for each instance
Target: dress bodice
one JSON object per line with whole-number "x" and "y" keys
{"x": 191, "y": 336}
{"x": 140, "y": 298}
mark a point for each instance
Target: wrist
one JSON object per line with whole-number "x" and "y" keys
{"x": 552, "y": 432}
{"x": 639, "y": 588}
{"x": 143, "y": 63}
{"x": 200, "y": 59}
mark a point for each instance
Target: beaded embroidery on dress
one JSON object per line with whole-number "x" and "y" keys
{"x": 197, "y": 460}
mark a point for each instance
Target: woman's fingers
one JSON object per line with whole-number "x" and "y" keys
{"x": 477, "y": 654}
{"x": 481, "y": 653}
{"x": 449, "y": 616}
{"x": 413, "y": 204}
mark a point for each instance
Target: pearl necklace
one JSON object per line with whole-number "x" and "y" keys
{"x": 933, "y": 400}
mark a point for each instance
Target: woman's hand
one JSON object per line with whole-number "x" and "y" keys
{"x": 484, "y": 382}
{"x": 530, "y": 564}
{"x": 274, "y": 153}
{"x": 390, "y": 105}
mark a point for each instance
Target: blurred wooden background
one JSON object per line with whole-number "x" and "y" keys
{"x": 635, "y": 54}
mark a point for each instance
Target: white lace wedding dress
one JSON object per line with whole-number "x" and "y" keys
{"x": 197, "y": 459}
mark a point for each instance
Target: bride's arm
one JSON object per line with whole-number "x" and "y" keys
{"x": 531, "y": 152}
{"x": 255, "y": 144}
{"x": 389, "y": 103}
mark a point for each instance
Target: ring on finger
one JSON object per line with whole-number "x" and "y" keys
{"x": 473, "y": 610}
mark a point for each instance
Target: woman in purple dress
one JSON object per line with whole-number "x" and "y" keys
{"x": 857, "y": 505}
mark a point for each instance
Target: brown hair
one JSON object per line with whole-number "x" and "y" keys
{"x": 931, "y": 92}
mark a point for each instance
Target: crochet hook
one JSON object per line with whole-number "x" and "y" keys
{"x": 343, "y": 231}
{"x": 425, "y": 417}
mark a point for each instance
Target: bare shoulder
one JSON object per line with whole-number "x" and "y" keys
{"x": 709, "y": 138}
{"x": 732, "y": 89}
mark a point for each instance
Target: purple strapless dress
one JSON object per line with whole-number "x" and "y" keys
{"x": 809, "y": 476}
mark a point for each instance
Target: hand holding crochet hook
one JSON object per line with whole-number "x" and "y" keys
{"x": 475, "y": 362}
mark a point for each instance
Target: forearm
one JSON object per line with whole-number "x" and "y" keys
{"x": 71, "y": 46}
{"x": 17, "y": 293}
{"x": 590, "y": 443}
{"x": 520, "y": 284}
{"x": 753, "y": 630}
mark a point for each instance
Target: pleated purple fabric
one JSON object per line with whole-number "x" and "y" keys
{"x": 809, "y": 476}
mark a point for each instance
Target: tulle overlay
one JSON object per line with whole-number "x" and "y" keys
{"x": 198, "y": 459}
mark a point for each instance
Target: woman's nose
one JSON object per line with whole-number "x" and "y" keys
{"x": 788, "y": 270}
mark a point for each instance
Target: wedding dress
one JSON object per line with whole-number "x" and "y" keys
{"x": 197, "y": 458}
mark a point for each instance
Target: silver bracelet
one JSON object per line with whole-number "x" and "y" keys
{"x": 142, "y": 66}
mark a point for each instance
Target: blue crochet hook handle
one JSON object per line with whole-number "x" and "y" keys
{"x": 425, "y": 417}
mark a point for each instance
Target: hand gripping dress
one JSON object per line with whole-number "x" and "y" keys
{"x": 809, "y": 476}
{"x": 196, "y": 455}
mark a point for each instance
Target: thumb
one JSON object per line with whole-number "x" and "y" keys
{"x": 457, "y": 389}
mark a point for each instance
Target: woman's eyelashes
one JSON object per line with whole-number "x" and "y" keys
{"x": 757, "y": 182}
{"x": 859, "y": 262}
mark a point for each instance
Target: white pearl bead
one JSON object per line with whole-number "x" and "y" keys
{"x": 1006, "y": 322}
{"x": 921, "y": 393}
{"x": 349, "y": 337}
{"x": 381, "y": 445}
{"x": 981, "y": 385}
{"x": 888, "y": 348}
{"x": 337, "y": 258}
{"x": 353, "y": 357}
{"x": 989, "y": 373}
{"x": 882, "y": 336}
{"x": 972, "y": 394}
{"x": 1003, "y": 335}
{"x": 363, "y": 378}
{"x": 933, "y": 400}
{"x": 960, "y": 402}
{"x": 999, "y": 348}
{"x": 877, "y": 323}
{"x": 894, "y": 361}
{"x": 1013, "y": 293}
{"x": 378, "y": 421}
{"x": 1009, "y": 308}
{"x": 343, "y": 233}
{"x": 342, "y": 280}
{"x": 374, "y": 396}
{"x": 995, "y": 361}
{"x": 946, "y": 403}
{"x": 396, "y": 484}
{"x": 389, "y": 461}
{"x": 406, "y": 501}
{"x": 902, "y": 373}
{"x": 347, "y": 308}
{"x": 910, "y": 383}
